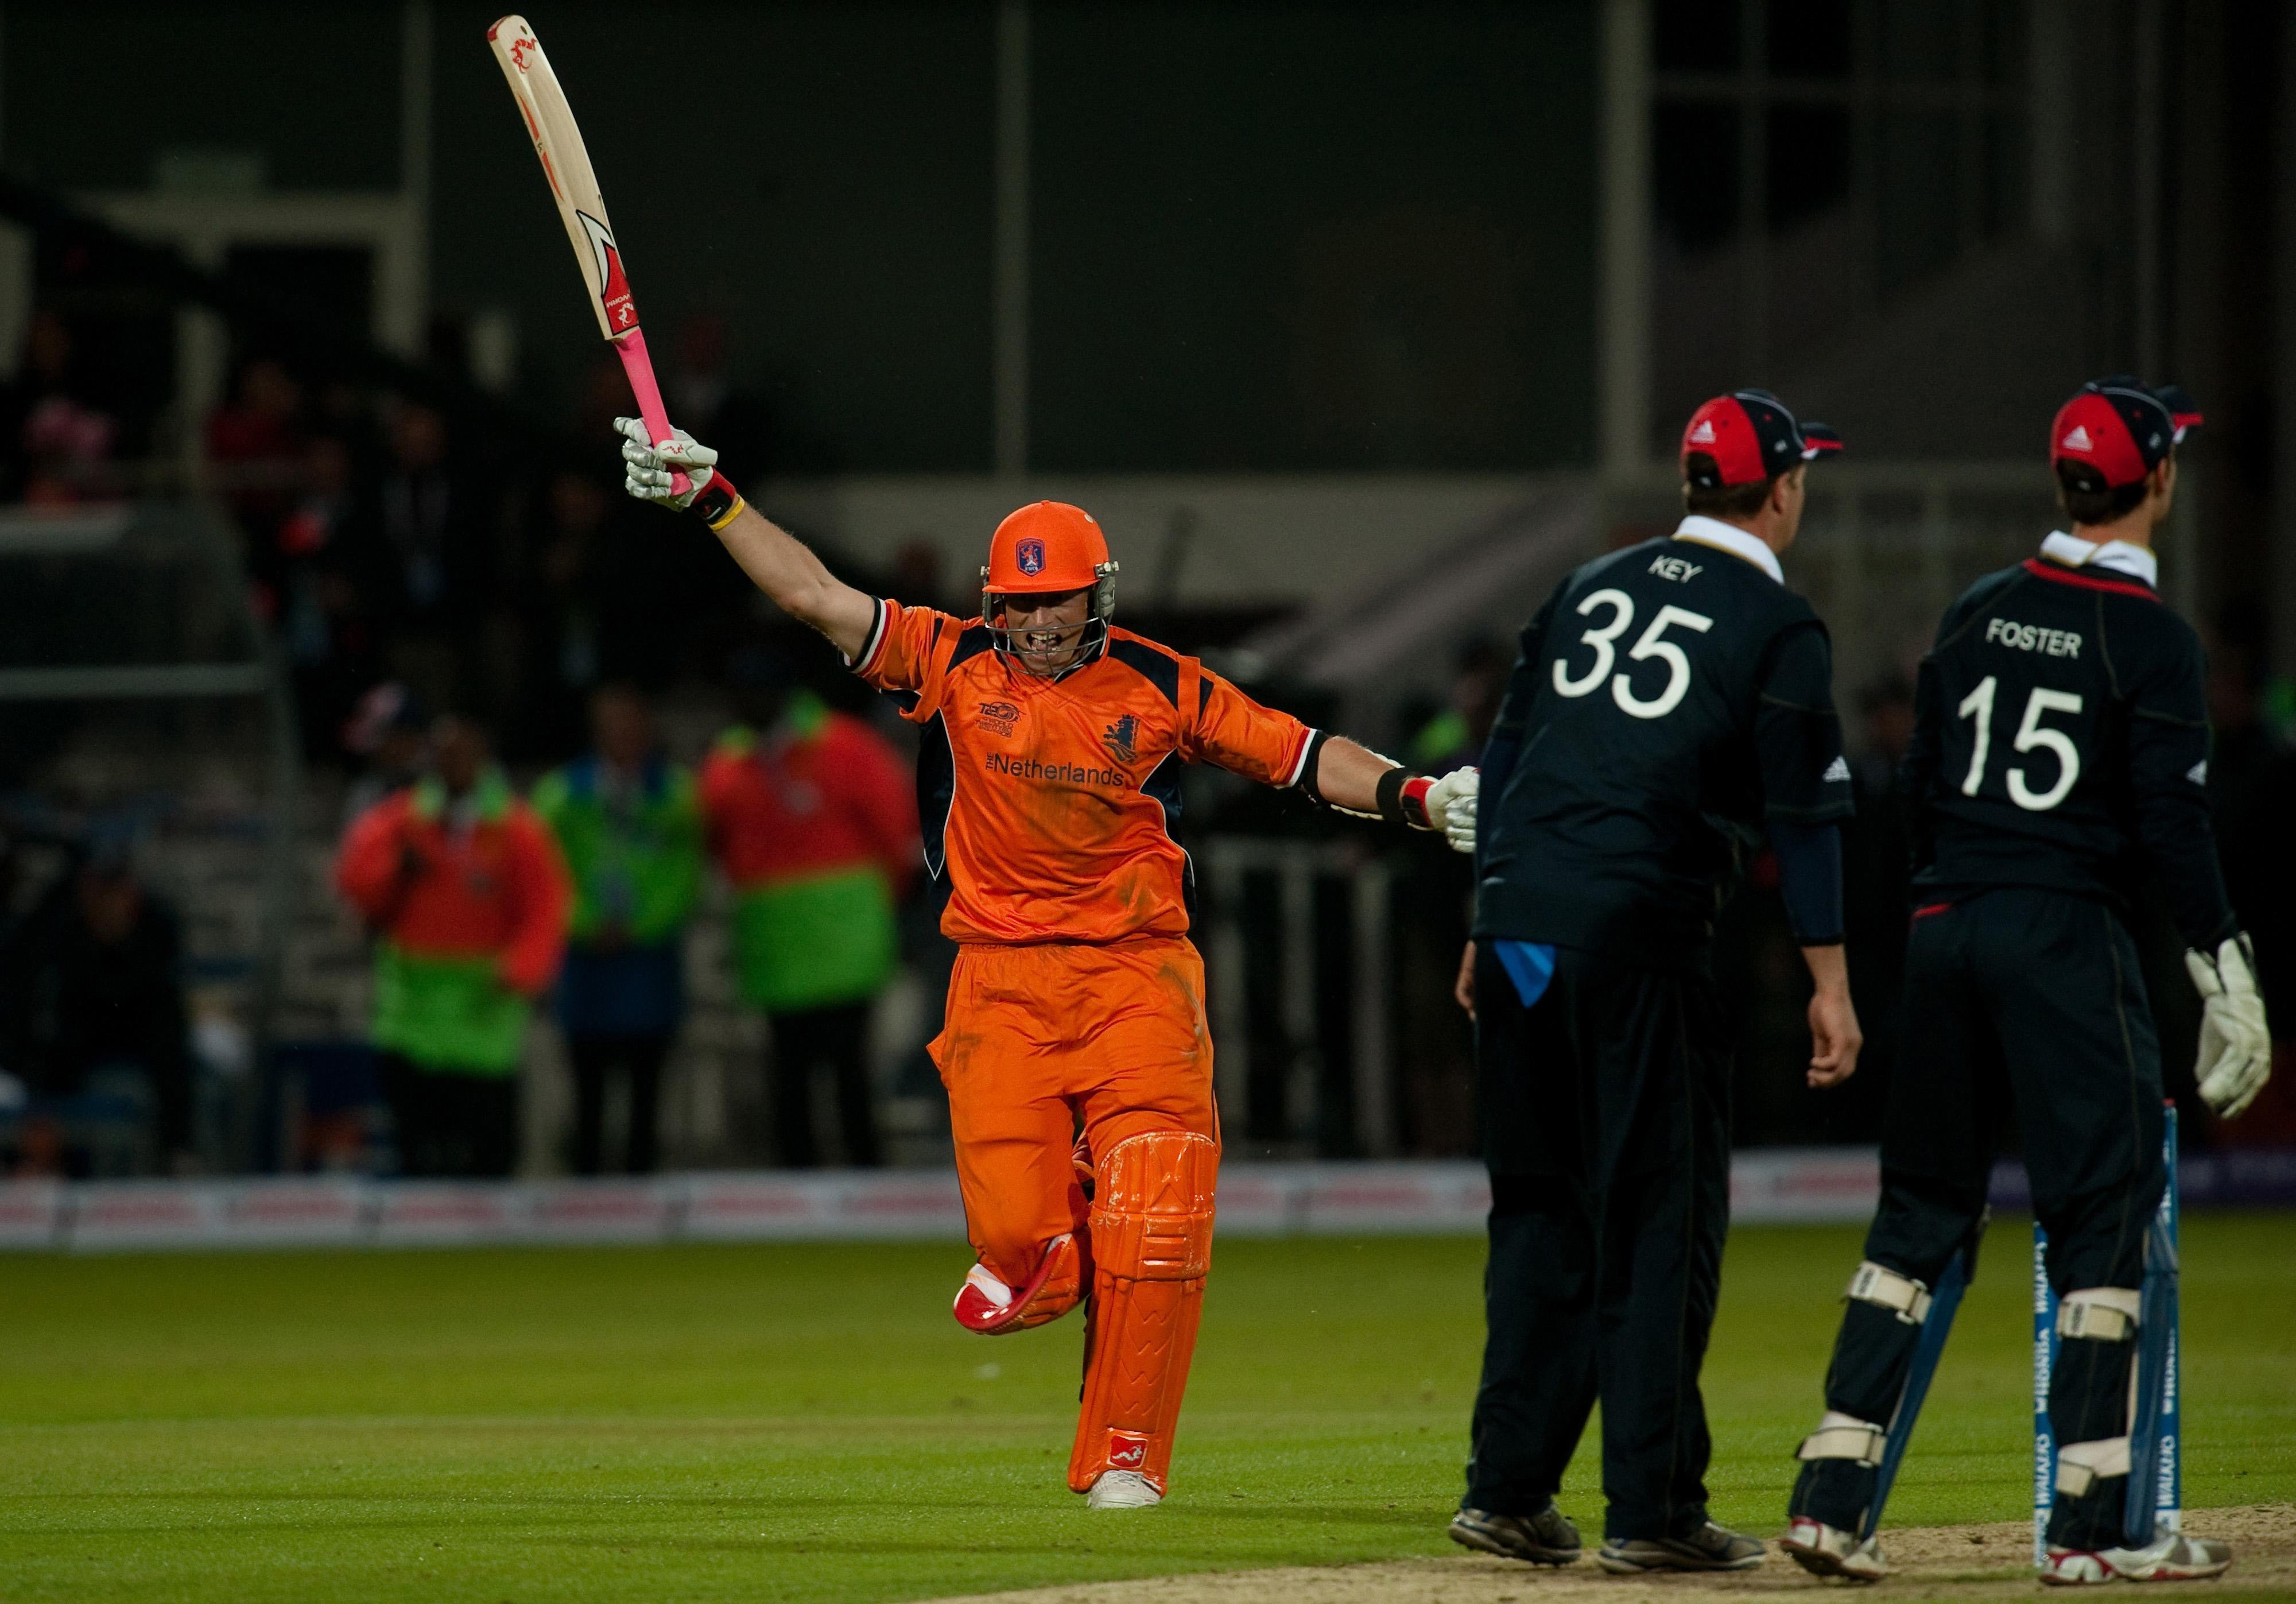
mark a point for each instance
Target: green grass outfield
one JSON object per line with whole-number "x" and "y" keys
{"x": 806, "y": 1423}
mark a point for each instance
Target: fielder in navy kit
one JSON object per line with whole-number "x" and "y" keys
{"x": 1672, "y": 708}
{"x": 2060, "y": 747}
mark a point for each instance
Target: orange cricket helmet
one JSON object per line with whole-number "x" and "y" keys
{"x": 1046, "y": 546}
{"x": 1049, "y": 547}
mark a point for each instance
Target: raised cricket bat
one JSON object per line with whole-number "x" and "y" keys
{"x": 565, "y": 164}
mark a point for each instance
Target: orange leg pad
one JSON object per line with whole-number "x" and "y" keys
{"x": 1152, "y": 1236}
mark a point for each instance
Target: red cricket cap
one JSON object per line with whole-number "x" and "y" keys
{"x": 2120, "y": 428}
{"x": 1752, "y": 437}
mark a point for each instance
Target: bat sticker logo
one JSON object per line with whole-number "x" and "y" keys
{"x": 519, "y": 49}
{"x": 614, "y": 290}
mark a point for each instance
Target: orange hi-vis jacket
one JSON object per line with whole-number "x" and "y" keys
{"x": 814, "y": 825}
{"x": 1050, "y": 803}
{"x": 471, "y": 922}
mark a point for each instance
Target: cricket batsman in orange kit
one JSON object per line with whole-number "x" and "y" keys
{"x": 1047, "y": 784}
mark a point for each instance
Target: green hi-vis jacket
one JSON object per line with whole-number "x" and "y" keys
{"x": 636, "y": 853}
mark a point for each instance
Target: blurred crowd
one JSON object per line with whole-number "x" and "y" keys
{"x": 456, "y": 608}
{"x": 484, "y": 904}
{"x": 479, "y": 556}
{"x": 95, "y": 1069}
{"x": 453, "y": 605}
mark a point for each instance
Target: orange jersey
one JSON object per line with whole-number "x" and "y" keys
{"x": 1050, "y": 803}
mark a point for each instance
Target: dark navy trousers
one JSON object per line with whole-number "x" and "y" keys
{"x": 1605, "y": 1123}
{"x": 2031, "y": 1001}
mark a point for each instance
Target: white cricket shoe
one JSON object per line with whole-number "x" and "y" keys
{"x": 1824, "y": 1550}
{"x": 1122, "y": 1490}
{"x": 2169, "y": 1556}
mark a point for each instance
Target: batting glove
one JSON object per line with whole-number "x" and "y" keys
{"x": 1451, "y": 807}
{"x": 647, "y": 467}
{"x": 2236, "y": 1057}
{"x": 650, "y": 472}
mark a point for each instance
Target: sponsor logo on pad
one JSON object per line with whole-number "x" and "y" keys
{"x": 1126, "y": 1450}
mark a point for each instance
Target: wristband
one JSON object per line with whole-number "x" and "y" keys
{"x": 1309, "y": 763}
{"x": 717, "y": 503}
{"x": 1403, "y": 798}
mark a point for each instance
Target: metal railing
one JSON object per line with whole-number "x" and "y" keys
{"x": 138, "y": 617}
{"x": 1290, "y": 1007}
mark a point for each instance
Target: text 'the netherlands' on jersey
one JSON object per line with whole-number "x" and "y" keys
{"x": 1669, "y": 700}
{"x": 1052, "y": 805}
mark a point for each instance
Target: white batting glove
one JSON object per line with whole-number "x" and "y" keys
{"x": 1451, "y": 807}
{"x": 646, "y": 466}
{"x": 2236, "y": 1057}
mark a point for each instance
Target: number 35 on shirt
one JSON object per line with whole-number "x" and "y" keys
{"x": 1652, "y": 643}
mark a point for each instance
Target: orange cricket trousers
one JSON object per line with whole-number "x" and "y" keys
{"x": 1035, "y": 1039}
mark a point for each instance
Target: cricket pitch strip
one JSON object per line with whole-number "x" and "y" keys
{"x": 1954, "y": 1563}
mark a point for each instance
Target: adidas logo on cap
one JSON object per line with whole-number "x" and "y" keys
{"x": 1704, "y": 435}
{"x": 2078, "y": 440}
{"x": 1838, "y": 770}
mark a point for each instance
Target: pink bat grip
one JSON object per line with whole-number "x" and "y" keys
{"x": 631, "y": 347}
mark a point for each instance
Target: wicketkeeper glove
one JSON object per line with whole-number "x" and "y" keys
{"x": 2236, "y": 1057}
{"x": 1451, "y": 807}
{"x": 648, "y": 473}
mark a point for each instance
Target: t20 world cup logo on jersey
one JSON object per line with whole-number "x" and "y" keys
{"x": 1028, "y": 555}
{"x": 1123, "y": 738}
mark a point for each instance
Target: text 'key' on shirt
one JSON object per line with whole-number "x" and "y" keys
{"x": 1671, "y": 700}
